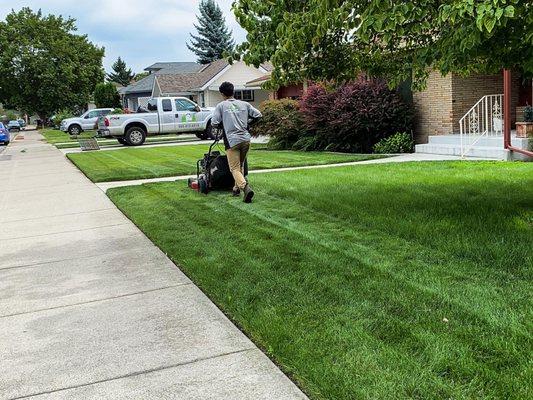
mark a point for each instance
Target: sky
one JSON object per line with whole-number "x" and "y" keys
{"x": 142, "y": 32}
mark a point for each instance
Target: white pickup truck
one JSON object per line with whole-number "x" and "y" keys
{"x": 166, "y": 115}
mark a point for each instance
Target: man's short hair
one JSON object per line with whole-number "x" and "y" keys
{"x": 227, "y": 89}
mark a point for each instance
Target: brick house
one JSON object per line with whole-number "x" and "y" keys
{"x": 476, "y": 103}
{"x": 447, "y": 99}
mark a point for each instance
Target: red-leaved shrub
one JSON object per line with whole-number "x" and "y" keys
{"x": 352, "y": 118}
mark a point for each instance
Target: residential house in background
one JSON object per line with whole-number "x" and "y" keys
{"x": 138, "y": 93}
{"x": 453, "y": 104}
{"x": 294, "y": 91}
{"x": 199, "y": 83}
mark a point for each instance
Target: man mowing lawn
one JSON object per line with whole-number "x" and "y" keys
{"x": 235, "y": 116}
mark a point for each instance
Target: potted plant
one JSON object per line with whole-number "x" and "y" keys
{"x": 525, "y": 129}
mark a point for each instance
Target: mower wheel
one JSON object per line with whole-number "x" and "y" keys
{"x": 202, "y": 186}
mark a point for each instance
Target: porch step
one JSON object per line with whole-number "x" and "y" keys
{"x": 486, "y": 141}
{"x": 495, "y": 153}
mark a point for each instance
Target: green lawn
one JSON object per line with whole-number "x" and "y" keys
{"x": 393, "y": 281}
{"x": 63, "y": 140}
{"x": 54, "y": 136}
{"x": 140, "y": 163}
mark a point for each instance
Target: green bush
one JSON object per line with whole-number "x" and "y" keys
{"x": 60, "y": 116}
{"x": 281, "y": 121}
{"x": 528, "y": 114}
{"x": 395, "y": 144}
{"x": 11, "y": 116}
{"x": 106, "y": 95}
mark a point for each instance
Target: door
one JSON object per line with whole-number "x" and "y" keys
{"x": 187, "y": 116}
{"x": 167, "y": 118}
{"x": 89, "y": 121}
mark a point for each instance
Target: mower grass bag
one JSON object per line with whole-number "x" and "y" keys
{"x": 213, "y": 172}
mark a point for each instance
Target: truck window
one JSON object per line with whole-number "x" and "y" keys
{"x": 167, "y": 105}
{"x": 152, "y": 105}
{"x": 92, "y": 114}
{"x": 185, "y": 105}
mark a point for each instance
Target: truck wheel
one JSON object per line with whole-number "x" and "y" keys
{"x": 74, "y": 130}
{"x": 208, "y": 133}
{"x": 135, "y": 136}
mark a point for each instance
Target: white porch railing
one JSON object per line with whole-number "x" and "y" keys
{"x": 484, "y": 119}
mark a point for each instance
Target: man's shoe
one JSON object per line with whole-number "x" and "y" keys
{"x": 236, "y": 192}
{"x": 248, "y": 194}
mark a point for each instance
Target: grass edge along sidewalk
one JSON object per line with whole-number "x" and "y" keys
{"x": 376, "y": 281}
{"x": 160, "y": 162}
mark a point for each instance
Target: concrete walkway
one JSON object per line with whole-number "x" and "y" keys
{"x": 91, "y": 309}
{"x": 393, "y": 159}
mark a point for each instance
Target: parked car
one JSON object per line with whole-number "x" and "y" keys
{"x": 85, "y": 122}
{"x": 14, "y": 126}
{"x": 5, "y": 136}
{"x": 166, "y": 115}
{"x": 22, "y": 124}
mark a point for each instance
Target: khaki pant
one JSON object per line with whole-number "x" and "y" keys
{"x": 236, "y": 157}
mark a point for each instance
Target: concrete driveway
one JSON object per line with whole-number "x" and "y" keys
{"x": 91, "y": 309}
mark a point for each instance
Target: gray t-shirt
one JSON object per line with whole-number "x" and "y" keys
{"x": 234, "y": 115}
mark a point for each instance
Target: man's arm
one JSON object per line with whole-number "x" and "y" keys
{"x": 253, "y": 114}
{"x": 216, "y": 120}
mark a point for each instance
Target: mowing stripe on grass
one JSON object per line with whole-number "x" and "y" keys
{"x": 378, "y": 281}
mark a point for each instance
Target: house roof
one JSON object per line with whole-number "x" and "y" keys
{"x": 258, "y": 81}
{"x": 267, "y": 66}
{"x": 182, "y": 83}
{"x": 146, "y": 84}
{"x": 179, "y": 77}
{"x": 175, "y": 67}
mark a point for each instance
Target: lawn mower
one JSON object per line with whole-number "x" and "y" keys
{"x": 212, "y": 171}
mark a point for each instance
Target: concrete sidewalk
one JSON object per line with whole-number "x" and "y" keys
{"x": 91, "y": 309}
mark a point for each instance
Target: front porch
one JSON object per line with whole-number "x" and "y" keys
{"x": 485, "y": 147}
{"x": 449, "y": 122}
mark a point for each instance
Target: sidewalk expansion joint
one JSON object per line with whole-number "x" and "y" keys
{"x": 68, "y": 231}
{"x": 58, "y": 215}
{"x": 39, "y": 263}
{"x": 138, "y": 373}
{"x": 97, "y": 300}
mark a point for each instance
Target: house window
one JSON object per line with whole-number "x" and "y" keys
{"x": 245, "y": 95}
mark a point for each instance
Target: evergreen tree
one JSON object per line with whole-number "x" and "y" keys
{"x": 121, "y": 73}
{"x": 214, "y": 37}
{"x": 106, "y": 95}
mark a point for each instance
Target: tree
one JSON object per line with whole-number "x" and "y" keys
{"x": 44, "y": 65}
{"x": 121, "y": 73}
{"x": 338, "y": 39}
{"x": 140, "y": 75}
{"x": 106, "y": 96}
{"x": 214, "y": 38}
